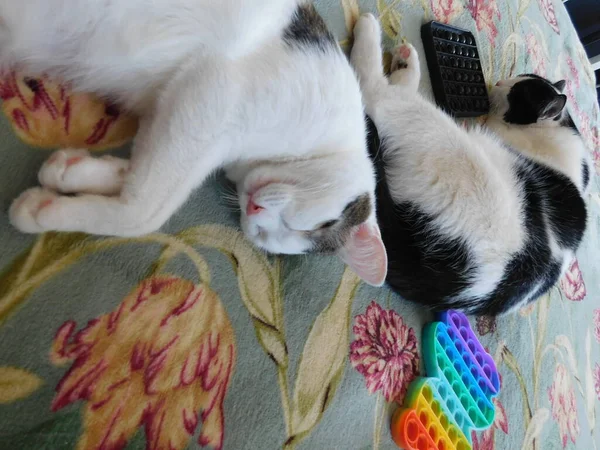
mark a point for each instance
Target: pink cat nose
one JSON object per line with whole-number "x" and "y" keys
{"x": 252, "y": 208}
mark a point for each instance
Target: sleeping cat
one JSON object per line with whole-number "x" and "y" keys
{"x": 472, "y": 220}
{"x": 259, "y": 88}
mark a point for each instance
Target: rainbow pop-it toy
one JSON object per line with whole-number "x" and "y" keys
{"x": 441, "y": 410}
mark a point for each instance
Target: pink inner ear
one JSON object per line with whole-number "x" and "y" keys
{"x": 365, "y": 254}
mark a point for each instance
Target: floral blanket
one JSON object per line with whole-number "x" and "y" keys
{"x": 190, "y": 338}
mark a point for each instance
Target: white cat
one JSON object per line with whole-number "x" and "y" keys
{"x": 260, "y": 88}
{"x": 471, "y": 221}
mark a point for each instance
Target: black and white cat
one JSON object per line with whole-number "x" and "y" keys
{"x": 260, "y": 88}
{"x": 473, "y": 220}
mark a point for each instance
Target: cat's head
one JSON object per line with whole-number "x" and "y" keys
{"x": 528, "y": 99}
{"x": 322, "y": 205}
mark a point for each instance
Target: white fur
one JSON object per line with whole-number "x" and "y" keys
{"x": 463, "y": 178}
{"x": 215, "y": 86}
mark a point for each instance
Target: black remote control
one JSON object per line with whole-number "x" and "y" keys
{"x": 455, "y": 70}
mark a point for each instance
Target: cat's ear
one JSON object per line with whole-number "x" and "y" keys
{"x": 554, "y": 107}
{"x": 365, "y": 254}
{"x": 560, "y": 85}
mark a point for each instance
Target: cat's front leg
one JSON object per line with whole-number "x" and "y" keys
{"x": 155, "y": 187}
{"x": 406, "y": 69}
{"x": 174, "y": 151}
{"x": 76, "y": 171}
{"x": 366, "y": 57}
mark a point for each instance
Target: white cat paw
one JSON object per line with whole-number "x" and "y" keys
{"x": 59, "y": 171}
{"x": 405, "y": 57}
{"x": 25, "y": 210}
{"x": 367, "y": 25}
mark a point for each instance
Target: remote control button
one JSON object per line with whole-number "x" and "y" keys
{"x": 461, "y": 64}
{"x": 457, "y": 76}
{"x": 462, "y": 39}
{"x": 468, "y": 90}
{"x": 476, "y": 65}
{"x": 470, "y": 40}
{"x": 461, "y": 90}
{"x": 454, "y": 62}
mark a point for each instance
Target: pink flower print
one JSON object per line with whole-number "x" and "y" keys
{"x": 485, "y": 13}
{"x": 547, "y": 9}
{"x": 573, "y": 71}
{"x": 536, "y": 55}
{"x": 485, "y": 325}
{"x": 564, "y": 409}
{"x": 485, "y": 440}
{"x": 384, "y": 352}
{"x": 446, "y": 10}
{"x": 572, "y": 283}
{"x": 597, "y": 324}
{"x": 597, "y": 380}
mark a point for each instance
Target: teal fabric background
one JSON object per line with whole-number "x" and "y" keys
{"x": 302, "y": 356}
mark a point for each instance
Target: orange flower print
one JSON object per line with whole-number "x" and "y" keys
{"x": 47, "y": 114}
{"x": 162, "y": 360}
{"x": 384, "y": 352}
{"x": 564, "y": 409}
{"x": 572, "y": 283}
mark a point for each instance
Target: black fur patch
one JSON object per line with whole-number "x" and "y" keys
{"x": 585, "y": 174}
{"x": 431, "y": 269}
{"x": 566, "y": 210}
{"x": 533, "y": 271}
{"x": 423, "y": 266}
{"x": 334, "y": 234}
{"x": 527, "y": 100}
{"x": 533, "y": 266}
{"x": 308, "y": 29}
